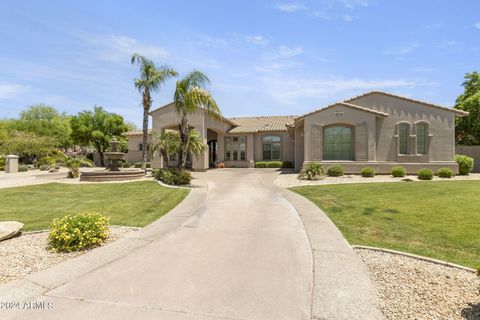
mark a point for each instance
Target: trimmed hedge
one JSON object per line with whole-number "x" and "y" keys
{"x": 139, "y": 165}
{"x": 368, "y": 172}
{"x": 465, "y": 164}
{"x": 313, "y": 171}
{"x": 173, "y": 176}
{"x": 335, "y": 171}
{"x": 399, "y": 172}
{"x": 445, "y": 173}
{"x": 425, "y": 174}
{"x": 3, "y": 160}
{"x": 22, "y": 168}
{"x": 127, "y": 164}
{"x": 273, "y": 164}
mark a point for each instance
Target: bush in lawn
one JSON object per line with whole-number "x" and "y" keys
{"x": 22, "y": 168}
{"x": 139, "y": 165}
{"x": 445, "y": 173}
{"x": 399, "y": 171}
{"x": 313, "y": 171}
{"x": 465, "y": 164}
{"x": 78, "y": 232}
{"x": 3, "y": 160}
{"x": 425, "y": 174}
{"x": 173, "y": 176}
{"x": 127, "y": 164}
{"x": 44, "y": 167}
{"x": 335, "y": 171}
{"x": 368, "y": 172}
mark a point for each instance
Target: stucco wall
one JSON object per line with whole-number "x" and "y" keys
{"x": 441, "y": 127}
{"x": 471, "y": 151}
{"x": 134, "y": 153}
{"x": 287, "y": 145}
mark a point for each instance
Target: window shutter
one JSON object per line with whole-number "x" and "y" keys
{"x": 361, "y": 142}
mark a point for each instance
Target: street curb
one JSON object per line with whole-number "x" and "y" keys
{"x": 414, "y": 256}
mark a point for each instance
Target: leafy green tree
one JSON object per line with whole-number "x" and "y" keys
{"x": 97, "y": 128}
{"x": 169, "y": 143}
{"x": 151, "y": 78}
{"x": 27, "y": 145}
{"x": 45, "y": 121}
{"x": 467, "y": 129}
{"x": 191, "y": 95}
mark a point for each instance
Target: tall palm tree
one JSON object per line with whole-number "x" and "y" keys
{"x": 151, "y": 78}
{"x": 190, "y": 95}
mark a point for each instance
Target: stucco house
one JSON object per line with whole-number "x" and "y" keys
{"x": 375, "y": 129}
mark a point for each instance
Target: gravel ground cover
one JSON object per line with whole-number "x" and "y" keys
{"x": 414, "y": 289}
{"x": 27, "y": 253}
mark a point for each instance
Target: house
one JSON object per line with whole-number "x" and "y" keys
{"x": 375, "y": 129}
{"x": 135, "y": 139}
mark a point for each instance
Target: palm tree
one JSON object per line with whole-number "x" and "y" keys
{"x": 169, "y": 144}
{"x": 190, "y": 95}
{"x": 151, "y": 78}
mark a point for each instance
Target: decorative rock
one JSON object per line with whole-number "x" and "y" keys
{"x": 9, "y": 229}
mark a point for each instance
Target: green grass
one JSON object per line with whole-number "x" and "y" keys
{"x": 129, "y": 204}
{"x": 435, "y": 219}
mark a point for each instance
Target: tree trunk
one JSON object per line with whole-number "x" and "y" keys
{"x": 146, "y": 107}
{"x": 184, "y": 132}
{"x": 102, "y": 158}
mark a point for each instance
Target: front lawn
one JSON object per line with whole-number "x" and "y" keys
{"x": 129, "y": 204}
{"x": 434, "y": 219}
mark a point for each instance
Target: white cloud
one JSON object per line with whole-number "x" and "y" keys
{"x": 121, "y": 48}
{"x": 347, "y": 18}
{"x": 290, "y": 90}
{"x": 290, "y": 7}
{"x": 449, "y": 45}
{"x": 284, "y": 52}
{"x": 274, "y": 66}
{"x": 403, "y": 50}
{"x": 11, "y": 90}
{"x": 352, "y": 4}
{"x": 477, "y": 25}
{"x": 211, "y": 42}
{"x": 257, "y": 39}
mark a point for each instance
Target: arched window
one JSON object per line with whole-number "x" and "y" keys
{"x": 422, "y": 134}
{"x": 337, "y": 143}
{"x": 271, "y": 148}
{"x": 403, "y": 133}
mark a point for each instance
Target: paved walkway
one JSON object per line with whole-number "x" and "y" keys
{"x": 236, "y": 248}
{"x": 9, "y": 180}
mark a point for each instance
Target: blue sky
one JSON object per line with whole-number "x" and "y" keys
{"x": 263, "y": 57}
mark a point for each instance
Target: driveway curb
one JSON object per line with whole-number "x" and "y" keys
{"x": 342, "y": 286}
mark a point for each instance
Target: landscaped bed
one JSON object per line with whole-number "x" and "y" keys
{"x": 434, "y": 219}
{"x": 133, "y": 204}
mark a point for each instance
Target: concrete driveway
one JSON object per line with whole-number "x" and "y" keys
{"x": 236, "y": 248}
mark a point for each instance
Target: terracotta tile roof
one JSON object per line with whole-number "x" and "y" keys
{"x": 259, "y": 124}
{"x": 458, "y": 112}
{"x": 353, "y": 106}
{"x": 136, "y": 133}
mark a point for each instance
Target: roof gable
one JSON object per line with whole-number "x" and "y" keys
{"x": 348, "y": 105}
{"x": 428, "y": 104}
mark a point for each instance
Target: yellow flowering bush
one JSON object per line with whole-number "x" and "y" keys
{"x": 78, "y": 232}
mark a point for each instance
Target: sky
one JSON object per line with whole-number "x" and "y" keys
{"x": 262, "y": 57}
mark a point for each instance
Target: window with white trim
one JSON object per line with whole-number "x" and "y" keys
{"x": 236, "y": 148}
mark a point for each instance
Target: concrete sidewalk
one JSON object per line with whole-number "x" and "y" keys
{"x": 235, "y": 248}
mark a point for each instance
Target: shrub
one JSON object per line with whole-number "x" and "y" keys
{"x": 313, "y": 171}
{"x": 368, "y": 172}
{"x": 22, "y": 168}
{"x": 425, "y": 174}
{"x": 2, "y": 163}
{"x": 465, "y": 164}
{"x": 335, "y": 171}
{"x": 399, "y": 171}
{"x": 273, "y": 164}
{"x": 78, "y": 232}
{"x": 127, "y": 164}
{"x": 173, "y": 176}
{"x": 44, "y": 167}
{"x": 139, "y": 165}
{"x": 445, "y": 173}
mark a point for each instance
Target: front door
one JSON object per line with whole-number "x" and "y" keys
{"x": 212, "y": 152}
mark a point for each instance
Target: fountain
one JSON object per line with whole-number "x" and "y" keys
{"x": 112, "y": 172}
